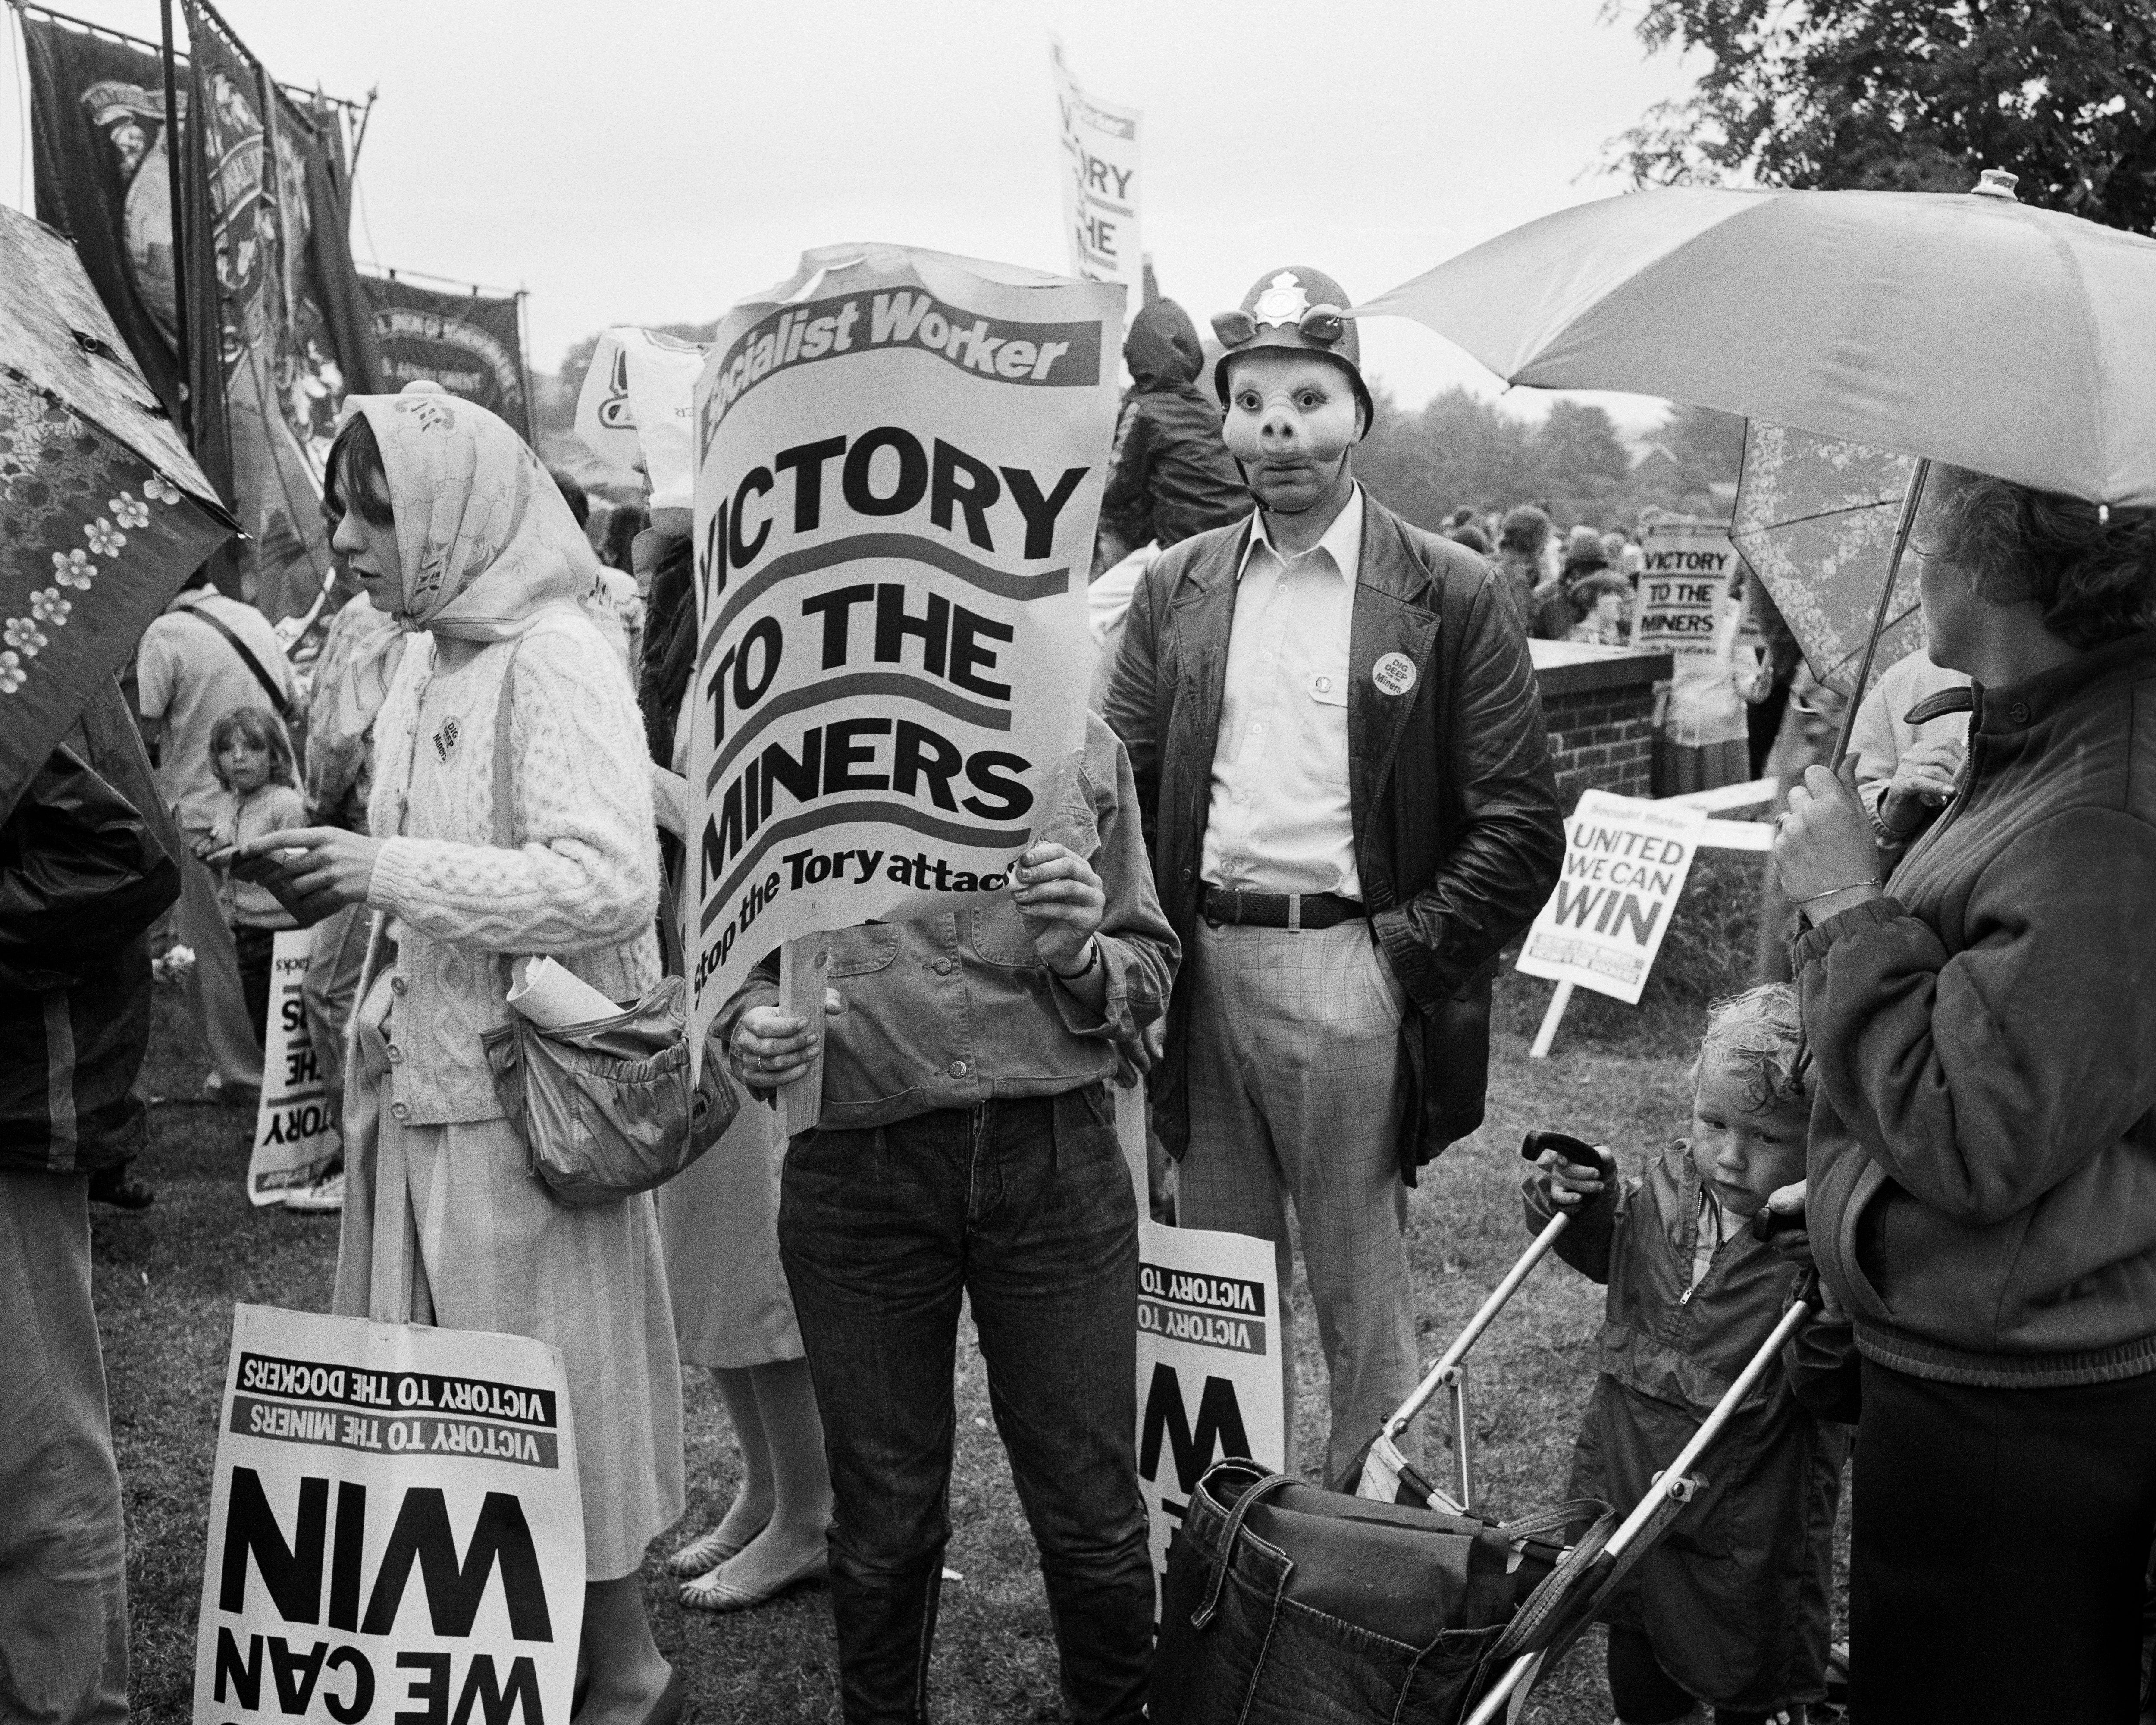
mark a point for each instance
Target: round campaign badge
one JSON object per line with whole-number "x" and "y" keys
{"x": 1394, "y": 674}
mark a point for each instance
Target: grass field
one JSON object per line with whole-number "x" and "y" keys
{"x": 166, "y": 1281}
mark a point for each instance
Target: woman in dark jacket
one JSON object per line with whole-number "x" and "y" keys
{"x": 1983, "y": 1155}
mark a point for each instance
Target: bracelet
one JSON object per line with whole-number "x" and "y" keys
{"x": 1092, "y": 958}
{"x": 1873, "y": 881}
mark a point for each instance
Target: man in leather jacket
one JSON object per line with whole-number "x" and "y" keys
{"x": 1340, "y": 749}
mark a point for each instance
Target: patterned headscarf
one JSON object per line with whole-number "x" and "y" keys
{"x": 484, "y": 538}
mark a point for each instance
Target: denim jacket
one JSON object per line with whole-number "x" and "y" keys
{"x": 948, "y": 1011}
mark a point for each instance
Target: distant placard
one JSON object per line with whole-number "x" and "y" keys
{"x": 1102, "y": 188}
{"x": 1625, "y": 862}
{"x": 1208, "y": 1366}
{"x": 295, "y": 1134}
{"x": 1685, "y": 609}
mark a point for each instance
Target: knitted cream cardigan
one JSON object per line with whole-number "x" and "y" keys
{"x": 582, "y": 884}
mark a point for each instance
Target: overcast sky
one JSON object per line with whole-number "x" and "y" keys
{"x": 653, "y": 160}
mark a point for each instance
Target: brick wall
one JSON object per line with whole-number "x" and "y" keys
{"x": 1599, "y": 703}
{"x": 1604, "y": 738}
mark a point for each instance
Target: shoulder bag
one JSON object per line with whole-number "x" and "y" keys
{"x": 609, "y": 1108}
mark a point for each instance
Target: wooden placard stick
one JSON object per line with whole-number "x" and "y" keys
{"x": 805, "y": 970}
{"x": 1551, "y": 1018}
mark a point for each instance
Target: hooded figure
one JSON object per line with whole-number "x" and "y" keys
{"x": 1170, "y": 476}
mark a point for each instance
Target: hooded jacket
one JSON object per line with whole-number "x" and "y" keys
{"x": 1458, "y": 838}
{"x": 1982, "y": 1152}
{"x": 1736, "y": 1598}
{"x": 1170, "y": 476}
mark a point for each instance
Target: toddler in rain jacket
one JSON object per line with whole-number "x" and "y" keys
{"x": 1732, "y": 1608}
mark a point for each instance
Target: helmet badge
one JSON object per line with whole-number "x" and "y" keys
{"x": 1283, "y": 301}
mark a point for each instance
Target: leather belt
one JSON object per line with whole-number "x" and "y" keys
{"x": 1274, "y": 910}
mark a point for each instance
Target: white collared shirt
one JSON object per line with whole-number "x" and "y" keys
{"x": 1281, "y": 819}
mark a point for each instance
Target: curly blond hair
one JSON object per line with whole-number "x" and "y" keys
{"x": 1759, "y": 1034}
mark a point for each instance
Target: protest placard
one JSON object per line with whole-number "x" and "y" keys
{"x": 1625, "y": 860}
{"x": 636, "y": 401}
{"x": 1208, "y": 1366}
{"x": 1101, "y": 183}
{"x": 900, "y": 458}
{"x": 295, "y": 1134}
{"x": 395, "y": 1531}
{"x": 1685, "y": 609}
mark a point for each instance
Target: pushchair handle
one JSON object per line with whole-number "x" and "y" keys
{"x": 1575, "y": 1150}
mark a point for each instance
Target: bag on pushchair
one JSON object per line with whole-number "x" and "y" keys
{"x": 1284, "y": 1603}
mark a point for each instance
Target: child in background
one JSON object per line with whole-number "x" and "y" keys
{"x": 252, "y": 762}
{"x": 1732, "y": 1606}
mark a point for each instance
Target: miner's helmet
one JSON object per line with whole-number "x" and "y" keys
{"x": 1296, "y": 307}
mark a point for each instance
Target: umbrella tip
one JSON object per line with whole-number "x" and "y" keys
{"x": 1996, "y": 182}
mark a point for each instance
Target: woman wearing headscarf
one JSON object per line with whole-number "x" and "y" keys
{"x": 451, "y": 525}
{"x": 1982, "y": 1169}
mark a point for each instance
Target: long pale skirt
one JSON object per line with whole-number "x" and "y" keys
{"x": 495, "y": 1253}
{"x": 719, "y": 1222}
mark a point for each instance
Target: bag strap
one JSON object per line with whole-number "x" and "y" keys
{"x": 389, "y": 1264}
{"x": 279, "y": 703}
{"x": 1243, "y": 1505}
{"x": 505, "y": 819}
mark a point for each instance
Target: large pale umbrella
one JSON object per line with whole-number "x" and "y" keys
{"x": 1965, "y": 327}
{"x": 103, "y": 512}
{"x": 1960, "y": 327}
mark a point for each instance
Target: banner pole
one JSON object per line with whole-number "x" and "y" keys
{"x": 181, "y": 347}
{"x": 524, "y": 369}
{"x": 1548, "y": 1033}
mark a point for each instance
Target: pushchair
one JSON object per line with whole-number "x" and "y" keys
{"x": 1402, "y": 1603}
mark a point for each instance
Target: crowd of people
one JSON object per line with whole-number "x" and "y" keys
{"x": 1314, "y": 807}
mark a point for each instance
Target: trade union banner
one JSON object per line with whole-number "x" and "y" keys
{"x": 899, "y": 458}
{"x": 1101, "y": 183}
{"x": 277, "y": 335}
{"x": 1625, "y": 862}
{"x": 395, "y": 1531}
{"x": 470, "y": 344}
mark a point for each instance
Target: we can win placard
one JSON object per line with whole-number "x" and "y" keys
{"x": 395, "y": 1532}
{"x": 1625, "y": 862}
{"x": 899, "y": 458}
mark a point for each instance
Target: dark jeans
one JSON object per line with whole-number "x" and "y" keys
{"x": 2000, "y": 1547}
{"x": 1025, "y": 1208}
{"x": 1643, "y": 1693}
{"x": 256, "y": 947}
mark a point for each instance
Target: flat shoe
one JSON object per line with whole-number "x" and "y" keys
{"x": 706, "y": 1552}
{"x": 707, "y": 1593}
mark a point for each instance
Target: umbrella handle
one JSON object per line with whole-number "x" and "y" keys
{"x": 1910, "y": 500}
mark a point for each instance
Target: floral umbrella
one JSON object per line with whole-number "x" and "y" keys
{"x": 103, "y": 512}
{"x": 1815, "y": 518}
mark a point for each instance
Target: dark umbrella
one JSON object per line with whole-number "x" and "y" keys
{"x": 1816, "y": 518}
{"x": 103, "y": 512}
